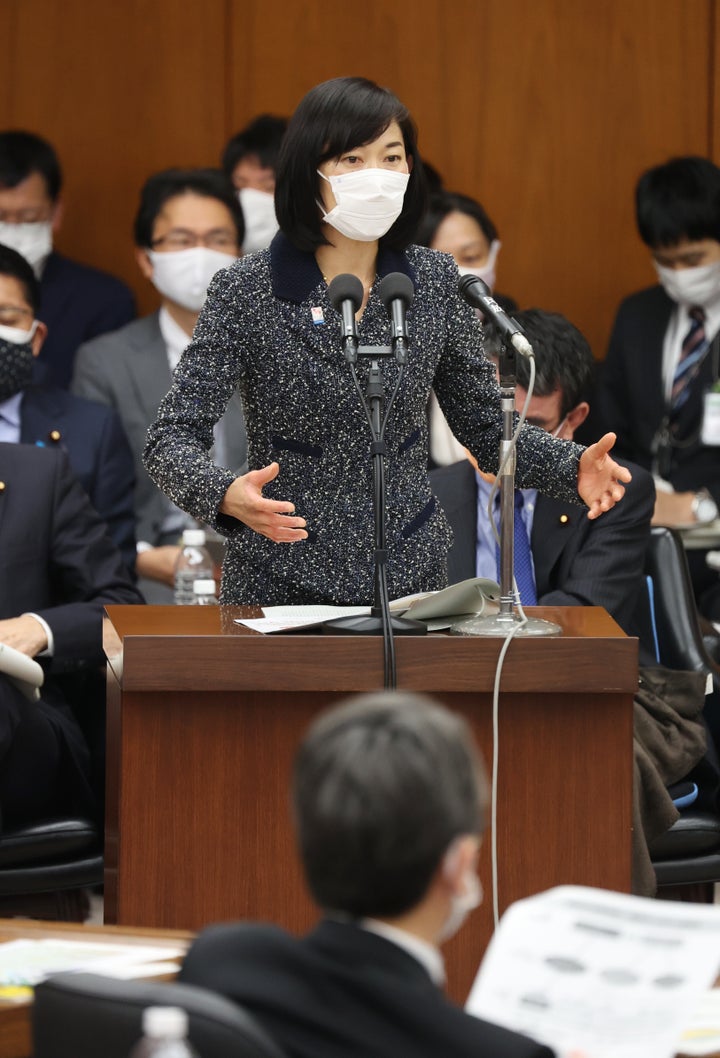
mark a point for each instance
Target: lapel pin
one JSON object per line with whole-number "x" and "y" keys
{"x": 54, "y": 436}
{"x": 317, "y": 315}
{"x": 2, "y": 486}
{"x": 564, "y": 519}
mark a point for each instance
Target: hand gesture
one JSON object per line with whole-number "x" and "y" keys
{"x": 600, "y": 477}
{"x": 271, "y": 518}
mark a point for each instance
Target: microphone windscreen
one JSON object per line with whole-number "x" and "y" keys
{"x": 345, "y": 287}
{"x": 396, "y": 286}
{"x": 469, "y": 284}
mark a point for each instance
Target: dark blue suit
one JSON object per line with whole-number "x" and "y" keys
{"x": 99, "y": 454}
{"x": 56, "y": 561}
{"x": 77, "y": 303}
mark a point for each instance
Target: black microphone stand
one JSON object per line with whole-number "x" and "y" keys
{"x": 379, "y": 618}
{"x": 507, "y": 619}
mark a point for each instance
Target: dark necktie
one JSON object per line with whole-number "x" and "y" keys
{"x": 694, "y": 347}
{"x": 523, "y": 570}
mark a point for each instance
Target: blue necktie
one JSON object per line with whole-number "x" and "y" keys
{"x": 694, "y": 347}
{"x": 522, "y": 557}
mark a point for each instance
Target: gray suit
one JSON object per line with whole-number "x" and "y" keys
{"x": 128, "y": 369}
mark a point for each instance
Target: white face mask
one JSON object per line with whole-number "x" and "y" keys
{"x": 183, "y": 276}
{"x": 461, "y": 905}
{"x": 369, "y": 202}
{"x": 691, "y": 286}
{"x": 260, "y": 221}
{"x": 16, "y": 335}
{"x": 33, "y": 241}
{"x": 487, "y": 272}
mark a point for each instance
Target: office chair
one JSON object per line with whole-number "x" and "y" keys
{"x": 46, "y": 867}
{"x": 688, "y": 855}
{"x": 84, "y": 1015}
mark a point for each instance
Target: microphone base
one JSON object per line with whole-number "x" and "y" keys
{"x": 372, "y": 626}
{"x": 502, "y": 624}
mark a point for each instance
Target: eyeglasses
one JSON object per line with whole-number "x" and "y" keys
{"x": 179, "y": 239}
{"x": 15, "y": 316}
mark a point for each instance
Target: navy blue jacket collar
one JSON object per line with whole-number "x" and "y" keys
{"x": 295, "y": 273}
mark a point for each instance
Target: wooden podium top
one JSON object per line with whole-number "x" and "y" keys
{"x": 184, "y": 647}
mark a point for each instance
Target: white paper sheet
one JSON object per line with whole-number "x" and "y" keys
{"x": 605, "y": 974}
{"x": 26, "y": 962}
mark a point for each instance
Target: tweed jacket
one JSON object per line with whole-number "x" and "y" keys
{"x": 268, "y": 329}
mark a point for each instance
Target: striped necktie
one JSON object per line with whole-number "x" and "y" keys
{"x": 524, "y": 575}
{"x": 694, "y": 347}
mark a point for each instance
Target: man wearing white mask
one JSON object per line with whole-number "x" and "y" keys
{"x": 662, "y": 363}
{"x": 78, "y": 302}
{"x": 188, "y": 226}
{"x": 249, "y": 161}
{"x": 389, "y": 797}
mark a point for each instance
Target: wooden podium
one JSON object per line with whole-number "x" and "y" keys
{"x": 204, "y": 717}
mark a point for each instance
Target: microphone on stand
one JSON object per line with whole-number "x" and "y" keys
{"x": 479, "y": 295}
{"x": 396, "y": 293}
{"x": 346, "y": 296}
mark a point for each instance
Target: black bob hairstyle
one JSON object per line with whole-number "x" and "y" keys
{"x": 678, "y": 200}
{"x": 161, "y": 187}
{"x": 330, "y": 120}
{"x": 442, "y": 203}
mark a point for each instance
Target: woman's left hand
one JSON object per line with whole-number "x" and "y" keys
{"x": 600, "y": 477}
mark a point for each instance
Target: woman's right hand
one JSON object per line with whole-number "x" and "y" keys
{"x": 271, "y": 518}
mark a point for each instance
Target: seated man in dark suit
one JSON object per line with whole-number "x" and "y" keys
{"x": 574, "y": 561}
{"x": 389, "y": 797}
{"x": 91, "y": 434}
{"x": 78, "y": 302}
{"x": 58, "y": 569}
{"x": 664, "y": 356}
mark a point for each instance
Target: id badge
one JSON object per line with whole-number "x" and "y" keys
{"x": 710, "y": 432}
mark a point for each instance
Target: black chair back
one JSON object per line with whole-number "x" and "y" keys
{"x": 86, "y": 1015}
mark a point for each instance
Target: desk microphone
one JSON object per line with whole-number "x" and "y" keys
{"x": 346, "y": 296}
{"x": 396, "y": 293}
{"x": 478, "y": 294}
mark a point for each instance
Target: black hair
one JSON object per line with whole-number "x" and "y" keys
{"x": 14, "y": 265}
{"x": 678, "y": 200}
{"x": 382, "y": 785}
{"x": 25, "y": 153}
{"x": 443, "y": 202}
{"x": 161, "y": 187}
{"x": 260, "y": 139}
{"x": 433, "y": 178}
{"x": 331, "y": 119}
{"x": 563, "y": 358}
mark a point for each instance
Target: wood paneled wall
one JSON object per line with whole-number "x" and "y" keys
{"x": 547, "y": 110}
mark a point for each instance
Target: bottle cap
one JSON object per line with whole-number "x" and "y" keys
{"x": 204, "y": 587}
{"x": 193, "y": 537}
{"x": 168, "y": 1022}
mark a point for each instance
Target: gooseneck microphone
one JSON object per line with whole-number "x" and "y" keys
{"x": 478, "y": 294}
{"x": 396, "y": 293}
{"x": 346, "y": 296}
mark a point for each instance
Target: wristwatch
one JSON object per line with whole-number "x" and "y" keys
{"x": 704, "y": 507}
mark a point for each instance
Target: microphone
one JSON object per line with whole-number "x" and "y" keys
{"x": 396, "y": 293}
{"x": 346, "y": 295}
{"x": 478, "y": 294}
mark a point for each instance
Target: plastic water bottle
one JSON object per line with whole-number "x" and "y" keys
{"x": 193, "y": 563}
{"x": 204, "y": 591}
{"x": 164, "y": 1035}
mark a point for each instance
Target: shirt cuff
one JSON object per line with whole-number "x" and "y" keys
{"x": 49, "y": 650}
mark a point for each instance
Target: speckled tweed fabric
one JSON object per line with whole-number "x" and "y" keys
{"x": 256, "y": 332}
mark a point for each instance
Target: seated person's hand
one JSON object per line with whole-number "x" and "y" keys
{"x": 158, "y": 563}
{"x": 24, "y": 633}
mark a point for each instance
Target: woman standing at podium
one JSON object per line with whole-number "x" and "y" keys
{"x": 350, "y": 192}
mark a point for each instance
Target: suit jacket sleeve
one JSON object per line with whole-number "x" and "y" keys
{"x": 85, "y": 571}
{"x": 114, "y": 488}
{"x": 606, "y": 565}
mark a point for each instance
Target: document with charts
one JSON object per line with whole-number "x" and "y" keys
{"x": 601, "y": 973}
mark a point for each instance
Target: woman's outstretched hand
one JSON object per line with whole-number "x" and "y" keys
{"x": 600, "y": 477}
{"x": 271, "y": 518}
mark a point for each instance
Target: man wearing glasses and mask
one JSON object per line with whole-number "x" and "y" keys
{"x": 188, "y": 226}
